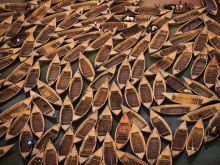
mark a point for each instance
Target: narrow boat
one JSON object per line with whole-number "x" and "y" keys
{"x": 49, "y": 93}
{"x": 5, "y": 15}
{"x": 214, "y": 39}
{"x": 141, "y": 18}
{"x": 18, "y": 7}
{"x": 165, "y": 157}
{"x": 147, "y": 10}
{"x": 95, "y": 158}
{"x": 66, "y": 144}
{"x": 163, "y": 19}
{"x": 24, "y": 139}
{"x": 88, "y": 146}
{"x": 200, "y": 42}
{"x": 5, "y": 149}
{"x": 119, "y": 8}
{"x": 19, "y": 72}
{"x": 195, "y": 138}
{"x": 211, "y": 73}
{"x": 101, "y": 96}
{"x": 7, "y": 61}
{"x": 145, "y": 92}
{"x": 115, "y": 25}
{"x": 86, "y": 5}
{"x": 4, "y": 127}
{"x": 159, "y": 39}
{"x": 211, "y": 6}
{"x": 109, "y": 151}
{"x": 10, "y": 91}
{"x": 4, "y": 53}
{"x": 163, "y": 128}
{"x": 59, "y": 7}
{"x": 88, "y": 36}
{"x": 217, "y": 88}
{"x": 37, "y": 159}
{"x": 72, "y": 158}
{"x": 138, "y": 69}
{"x": 212, "y": 25}
{"x": 179, "y": 139}
{"x": 137, "y": 142}
{"x": 159, "y": 87}
{"x": 132, "y": 97}
{"x": 5, "y": 25}
{"x": 132, "y": 2}
{"x": 153, "y": 147}
{"x": 50, "y": 154}
{"x": 104, "y": 124}
{"x": 124, "y": 73}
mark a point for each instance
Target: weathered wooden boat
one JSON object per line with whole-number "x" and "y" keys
{"x": 50, "y": 154}
{"x": 18, "y": 125}
{"x": 136, "y": 119}
{"x": 217, "y": 88}
{"x": 19, "y": 7}
{"x": 59, "y": 7}
{"x": 88, "y": 146}
{"x": 212, "y": 25}
{"x": 138, "y": 69}
{"x": 147, "y": 10}
{"x": 132, "y": 97}
{"x": 5, "y": 149}
{"x": 5, "y": 25}
{"x": 141, "y": 18}
{"x": 165, "y": 157}
{"x": 200, "y": 42}
{"x": 7, "y": 61}
{"x": 195, "y": 138}
{"x": 214, "y": 39}
{"x": 96, "y": 157}
{"x": 37, "y": 159}
{"x": 104, "y": 124}
{"x": 66, "y": 144}
{"x": 153, "y": 147}
{"x": 4, "y": 127}
{"x": 161, "y": 125}
{"x": 66, "y": 113}
{"x": 8, "y": 52}
{"x": 132, "y": 2}
{"x": 179, "y": 139}
{"x": 72, "y": 158}
{"x": 159, "y": 87}
{"x": 124, "y": 73}
{"x": 5, "y": 15}
{"x": 199, "y": 65}
{"x": 163, "y": 19}
{"x": 25, "y": 136}
{"x": 86, "y": 5}
{"x": 115, "y": 25}
{"x": 211, "y": 6}
{"x": 10, "y": 91}
{"x": 109, "y": 151}
{"x": 88, "y": 36}
{"x": 187, "y": 99}
{"x": 119, "y": 8}
{"x": 145, "y": 92}
{"x": 137, "y": 142}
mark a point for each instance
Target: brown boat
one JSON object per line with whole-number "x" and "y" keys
{"x": 145, "y": 92}
{"x": 141, "y": 18}
{"x": 179, "y": 140}
{"x": 72, "y": 158}
{"x": 159, "y": 87}
{"x": 147, "y": 10}
{"x": 119, "y": 8}
{"x": 5, "y": 25}
{"x": 5, "y": 15}
{"x": 138, "y": 69}
{"x": 95, "y": 158}
{"x": 83, "y": 37}
{"x": 115, "y": 25}
{"x": 5, "y": 149}
{"x": 211, "y": 6}
{"x": 18, "y": 7}
{"x": 212, "y": 25}
{"x": 66, "y": 144}
{"x": 4, "y": 127}
{"x": 85, "y": 5}
{"x": 153, "y": 147}
{"x": 37, "y": 159}
{"x": 7, "y": 61}
{"x": 104, "y": 124}
{"x": 50, "y": 154}
{"x": 214, "y": 39}
{"x": 24, "y": 146}
{"x": 160, "y": 21}
{"x": 200, "y": 42}
{"x": 217, "y": 88}
{"x": 124, "y": 73}
{"x": 165, "y": 157}
{"x": 161, "y": 125}
{"x": 195, "y": 138}
{"x": 59, "y": 7}
{"x": 4, "y": 53}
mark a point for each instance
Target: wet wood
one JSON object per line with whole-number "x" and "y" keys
{"x": 50, "y": 154}
{"x": 124, "y": 73}
{"x": 72, "y": 158}
{"x": 159, "y": 87}
{"x": 138, "y": 69}
{"x": 4, "y": 127}
{"x": 95, "y": 158}
{"x": 5, "y": 149}
{"x": 7, "y": 61}
{"x": 165, "y": 157}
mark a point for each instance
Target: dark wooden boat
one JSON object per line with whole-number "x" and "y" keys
{"x": 145, "y": 92}
{"x": 124, "y": 73}
{"x": 5, "y": 25}
{"x": 132, "y": 2}
{"x": 211, "y": 25}
{"x": 163, "y": 19}
{"x": 217, "y": 88}
{"x": 163, "y": 128}
{"x": 72, "y": 158}
{"x": 86, "y": 5}
{"x": 5, "y": 149}
{"x": 214, "y": 40}
{"x": 119, "y": 8}
{"x": 66, "y": 144}
{"x": 19, "y": 7}
{"x": 137, "y": 142}
{"x": 83, "y": 37}
{"x": 200, "y": 42}
{"x": 211, "y": 6}
{"x": 7, "y": 61}
{"x": 5, "y": 15}
{"x": 59, "y": 7}
{"x": 165, "y": 157}
{"x": 118, "y": 25}
{"x": 104, "y": 124}
{"x": 195, "y": 138}
{"x": 37, "y": 159}
{"x": 138, "y": 69}
{"x": 4, "y": 127}
{"x": 8, "y": 52}
{"x": 147, "y": 10}
{"x": 179, "y": 139}
{"x": 132, "y": 97}
{"x": 50, "y": 154}
{"x": 95, "y": 158}
{"x": 141, "y": 18}
{"x": 153, "y": 147}
{"x": 25, "y": 136}
{"x": 159, "y": 87}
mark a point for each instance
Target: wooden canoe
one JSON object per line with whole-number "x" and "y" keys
{"x": 5, "y": 15}
{"x": 159, "y": 87}
{"x": 214, "y": 40}
{"x": 115, "y": 25}
{"x": 153, "y": 147}
{"x": 38, "y": 158}
{"x": 24, "y": 146}
{"x": 86, "y": 5}
{"x": 200, "y": 42}
{"x": 145, "y": 92}
{"x": 7, "y": 61}
{"x": 212, "y": 25}
{"x": 165, "y": 157}
{"x": 66, "y": 144}
{"x": 53, "y": 71}
{"x": 5, "y": 25}
{"x": 72, "y": 157}
{"x": 5, "y": 149}
{"x": 141, "y": 18}
{"x": 4, "y": 53}
{"x": 59, "y": 7}
{"x": 195, "y": 138}
{"x": 71, "y": 33}
{"x": 104, "y": 124}
{"x": 96, "y": 157}
{"x": 211, "y": 6}
{"x": 124, "y": 73}
{"x": 147, "y": 10}
{"x": 4, "y": 127}
{"x": 138, "y": 69}
{"x": 179, "y": 140}
{"x": 83, "y": 37}
{"x": 119, "y": 8}
{"x": 217, "y": 88}
{"x": 163, "y": 19}
{"x": 18, "y": 7}
{"x": 50, "y": 154}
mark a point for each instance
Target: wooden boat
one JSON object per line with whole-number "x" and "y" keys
{"x": 4, "y": 127}
{"x": 153, "y": 147}
{"x": 187, "y": 99}
{"x": 165, "y": 157}
{"x": 66, "y": 113}
{"x": 214, "y": 39}
{"x": 101, "y": 96}
{"x": 53, "y": 71}
{"x": 10, "y": 91}
{"x": 211, "y": 6}
{"x": 96, "y": 157}
{"x": 119, "y": 8}
{"x": 19, "y": 72}
{"x": 87, "y": 5}
{"x": 4, "y": 25}
{"x": 7, "y": 61}
{"x": 138, "y": 69}
{"x": 132, "y": 2}
{"x": 5, "y": 15}
{"x": 137, "y": 142}
{"x": 109, "y": 151}
{"x": 17, "y": 125}
{"x": 136, "y": 119}
{"x": 38, "y": 158}
{"x": 50, "y": 154}
{"x": 195, "y": 138}
{"x": 18, "y": 7}
{"x": 211, "y": 73}
{"x": 59, "y": 7}
{"x": 147, "y": 10}
{"x": 86, "y": 126}
{"x": 161, "y": 64}
{"x": 159, "y": 38}
{"x": 159, "y": 87}
{"x": 86, "y": 68}
{"x": 182, "y": 61}
{"x": 200, "y": 42}
{"x": 179, "y": 140}
{"x": 8, "y": 52}
{"x": 89, "y": 36}
{"x": 104, "y": 124}
{"x": 199, "y": 65}
{"x": 88, "y": 146}
{"x": 24, "y": 147}
{"x": 115, "y": 25}
{"x": 145, "y": 92}
{"x": 127, "y": 158}
{"x": 5, "y": 149}
{"x": 211, "y": 25}
{"x": 141, "y": 18}
{"x": 31, "y": 78}
{"x": 72, "y": 157}
{"x": 124, "y": 73}
{"x": 66, "y": 144}
{"x": 161, "y": 125}
{"x": 217, "y": 88}
{"x": 163, "y": 19}
{"x": 132, "y": 97}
